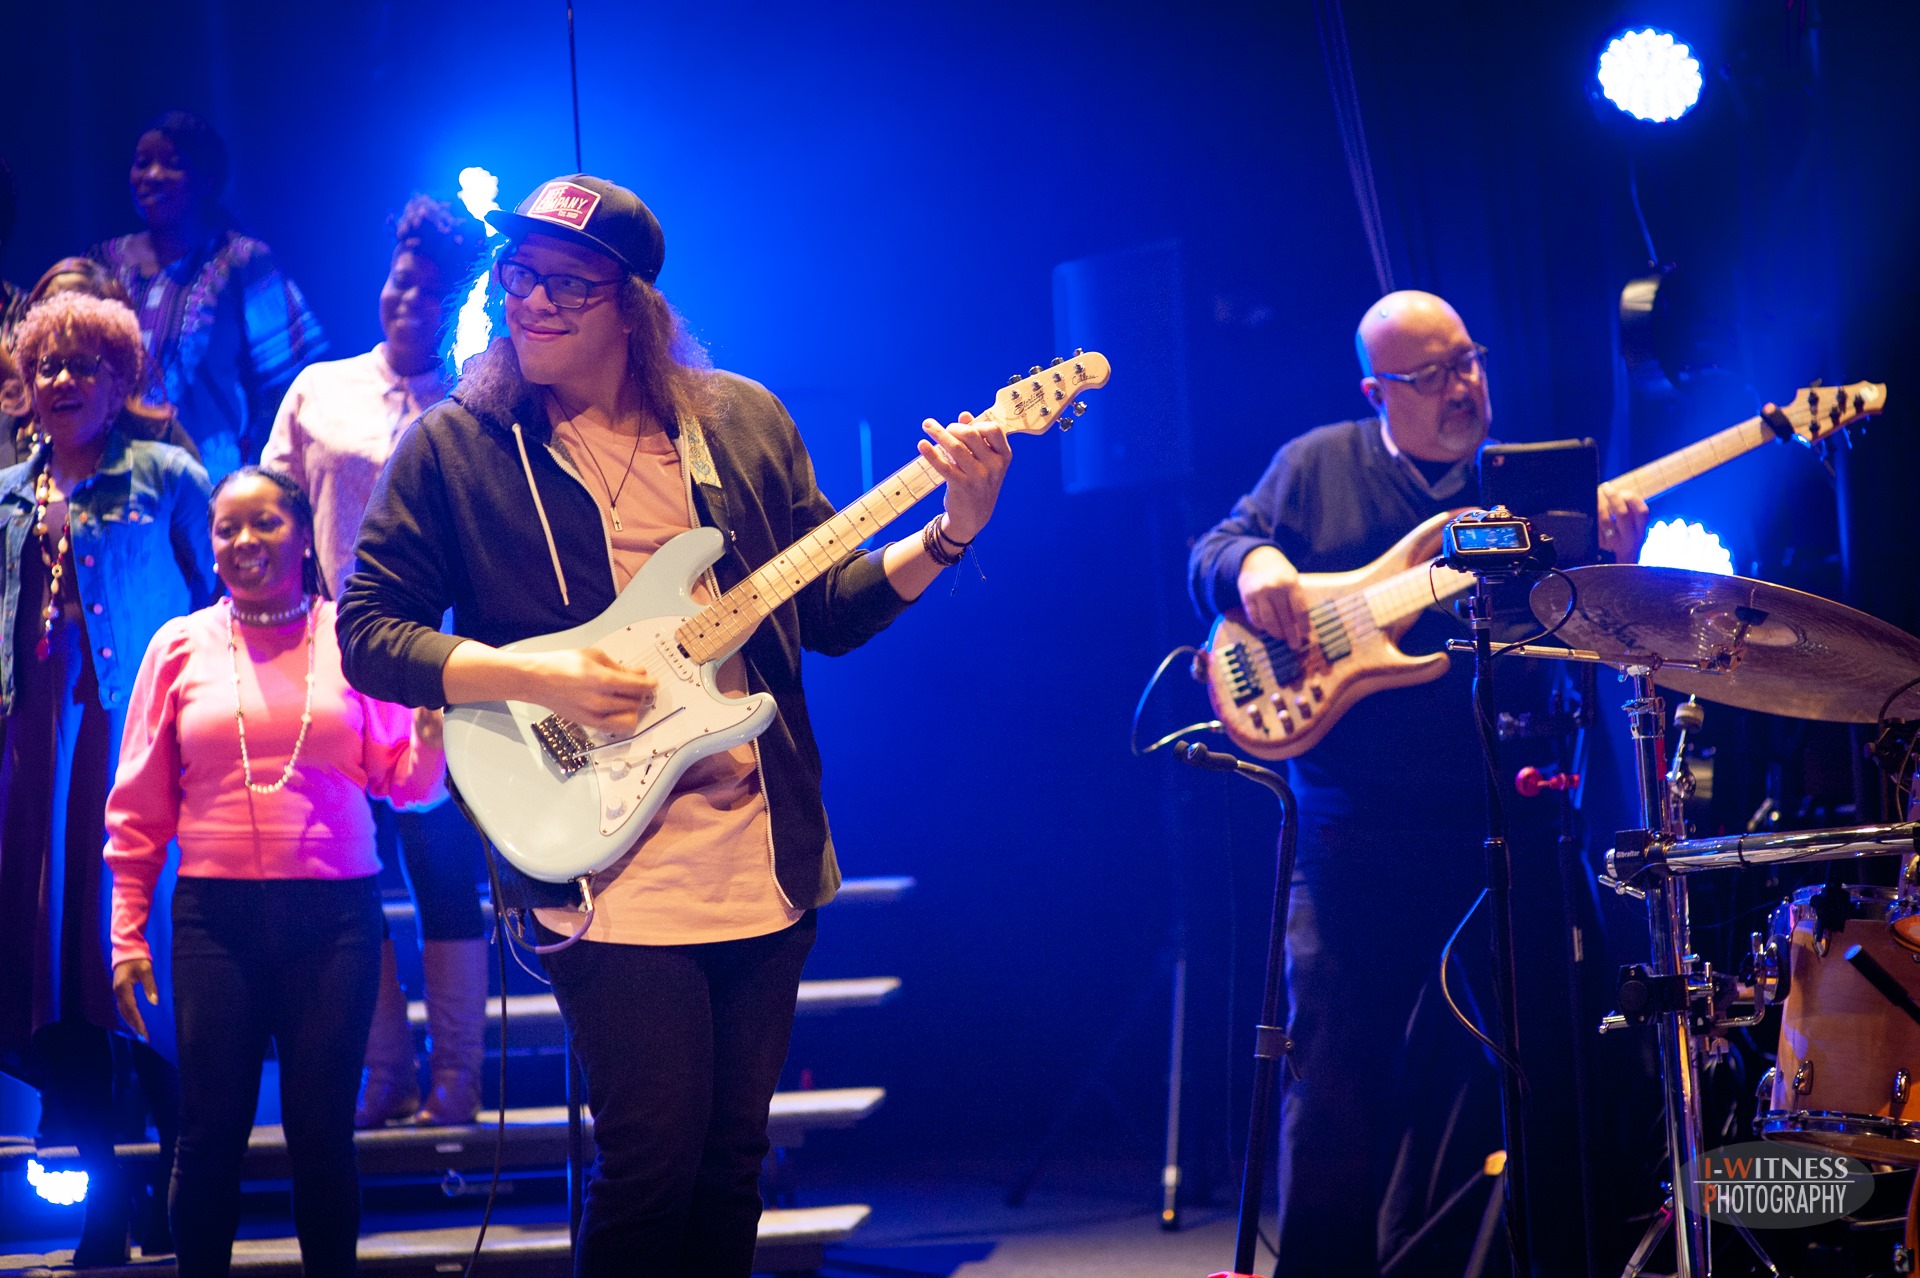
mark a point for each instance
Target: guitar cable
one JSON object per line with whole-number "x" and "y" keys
{"x": 1139, "y": 708}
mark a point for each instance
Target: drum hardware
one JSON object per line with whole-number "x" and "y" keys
{"x": 1803, "y": 1078}
{"x": 1766, "y": 972}
{"x": 1762, "y": 647}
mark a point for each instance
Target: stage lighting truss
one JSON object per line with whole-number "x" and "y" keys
{"x": 1650, "y": 75}
{"x": 1675, "y": 543}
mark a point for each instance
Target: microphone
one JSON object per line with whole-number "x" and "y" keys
{"x": 1201, "y": 757}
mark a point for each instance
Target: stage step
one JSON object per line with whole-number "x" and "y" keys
{"x": 791, "y": 1239}
{"x": 534, "y": 1019}
{"x": 876, "y": 890}
{"x": 534, "y": 1138}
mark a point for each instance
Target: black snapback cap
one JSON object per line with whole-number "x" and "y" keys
{"x": 595, "y": 214}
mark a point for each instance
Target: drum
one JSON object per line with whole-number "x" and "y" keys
{"x": 1847, "y": 1077}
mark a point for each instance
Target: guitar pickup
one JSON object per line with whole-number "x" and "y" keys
{"x": 1284, "y": 662}
{"x": 566, "y": 743}
{"x": 1243, "y": 678}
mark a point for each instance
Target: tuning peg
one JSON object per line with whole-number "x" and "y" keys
{"x": 1077, "y": 352}
{"x": 1079, "y": 407}
{"x": 1034, "y": 371}
{"x": 1014, "y": 380}
{"x": 1057, "y": 361}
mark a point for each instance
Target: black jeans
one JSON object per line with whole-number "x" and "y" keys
{"x": 681, "y": 1046}
{"x": 439, "y": 855}
{"x": 296, "y": 961}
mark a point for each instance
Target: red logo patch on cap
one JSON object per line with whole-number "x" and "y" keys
{"x": 564, "y": 204}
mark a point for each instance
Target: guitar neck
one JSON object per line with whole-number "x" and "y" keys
{"x": 725, "y": 624}
{"x": 1677, "y": 468}
{"x": 1405, "y": 593}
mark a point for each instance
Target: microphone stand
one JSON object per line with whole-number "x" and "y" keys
{"x": 1499, "y": 860}
{"x": 1271, "y": 1046}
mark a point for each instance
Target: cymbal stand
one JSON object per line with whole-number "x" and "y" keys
{"x": 1695, "y": 998}
{"x": 1667, "y": 925}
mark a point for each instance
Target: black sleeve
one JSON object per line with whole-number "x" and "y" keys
{"x": 1270, "y": 515}
{"x": 389, "y": 617}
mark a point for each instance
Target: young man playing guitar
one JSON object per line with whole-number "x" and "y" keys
{"x": 1390, "y": 808}
{"x": 568, "y": 453}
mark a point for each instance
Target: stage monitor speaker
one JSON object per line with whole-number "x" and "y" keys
{"x": 1131, "y": 307}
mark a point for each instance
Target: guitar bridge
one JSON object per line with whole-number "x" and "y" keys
{"x": 566, "y": 743}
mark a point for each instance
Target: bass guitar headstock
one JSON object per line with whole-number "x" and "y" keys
{"x": 1817, "y": 413}
{"x": 1031, "y": 404}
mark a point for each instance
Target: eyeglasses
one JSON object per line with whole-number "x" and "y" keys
{"x": 81, "y": 366}
{"x": 1429, "y": 380}
{"x": 568, "y": 292}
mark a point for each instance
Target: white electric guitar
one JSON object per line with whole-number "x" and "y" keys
{"x": 560, "y": 800}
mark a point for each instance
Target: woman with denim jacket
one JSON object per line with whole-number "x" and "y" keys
{"x": 105, "y": 539}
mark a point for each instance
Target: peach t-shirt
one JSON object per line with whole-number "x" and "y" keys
{"x": 703, "y": 870}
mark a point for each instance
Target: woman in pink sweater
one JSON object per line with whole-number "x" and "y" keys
{"x": 245, "y": 743}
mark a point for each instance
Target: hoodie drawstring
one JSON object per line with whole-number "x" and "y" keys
{"x": 553, "y": 552}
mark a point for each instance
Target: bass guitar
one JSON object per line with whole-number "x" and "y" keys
{"x": 560, "y": 800}
{"x": 1276, "y": 702}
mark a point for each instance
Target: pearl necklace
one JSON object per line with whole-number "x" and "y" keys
{"x": 240, "y": 716}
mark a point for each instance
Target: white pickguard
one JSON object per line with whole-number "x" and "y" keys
{"x": 556, "y": 827}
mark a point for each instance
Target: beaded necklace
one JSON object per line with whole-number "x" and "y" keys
{"x": 239, "y": 715}
{"x": 51, "y": 555}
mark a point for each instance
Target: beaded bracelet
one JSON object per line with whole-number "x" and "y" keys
{"x": 931, "y": 540}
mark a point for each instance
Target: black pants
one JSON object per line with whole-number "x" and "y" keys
{"x": 1393, "y": 1106}
{"x": 439, "y": 855}
{"x": 296, "y": 961}
{"x": 682, "y": 1047}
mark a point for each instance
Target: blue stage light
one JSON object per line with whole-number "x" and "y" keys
{"x": 480, "y": 192}
{"x": 1650, "y": 75}
{"x": 1675, "y": 543}
{"x": 61, "y": 1188}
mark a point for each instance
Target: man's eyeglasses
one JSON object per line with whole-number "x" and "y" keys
{"x": 1433, "y": 378}
{"x": 81, "y": 366}
{"x": 568, "y": 292}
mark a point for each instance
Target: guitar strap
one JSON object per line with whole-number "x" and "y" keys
{"x": 693, "y": 448}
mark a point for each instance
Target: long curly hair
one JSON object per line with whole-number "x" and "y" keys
{"x": 670, "y": 366}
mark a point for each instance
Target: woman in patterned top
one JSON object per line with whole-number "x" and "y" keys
{"x": 225, "y": 329}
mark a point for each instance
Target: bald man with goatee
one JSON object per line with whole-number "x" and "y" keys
{"x": 1391, "y": 1109}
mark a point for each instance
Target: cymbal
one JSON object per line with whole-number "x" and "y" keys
{"x": 1764, "y": 647}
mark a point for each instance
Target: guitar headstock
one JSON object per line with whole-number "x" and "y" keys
{"x": 1031, "y": 404}
{"x": 1817, "y": 413}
